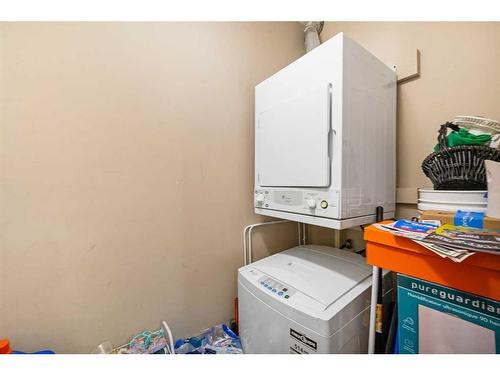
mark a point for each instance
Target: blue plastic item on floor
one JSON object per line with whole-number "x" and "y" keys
{"x": 216, "y": 340}
{"x": 39, "y": 352}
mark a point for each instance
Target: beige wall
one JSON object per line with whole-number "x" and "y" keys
{"x": 126, "y": 175}
{"x": 126, "y": 162}
{"x": 460, "y": 75}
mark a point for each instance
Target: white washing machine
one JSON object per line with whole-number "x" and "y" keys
{"x": 305, "y": 300}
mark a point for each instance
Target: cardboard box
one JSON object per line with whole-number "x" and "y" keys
{"x": 436, "y": 319}
{"x": 447, "y": 217}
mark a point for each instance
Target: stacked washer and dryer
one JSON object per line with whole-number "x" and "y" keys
{"x": 325, "y": 153}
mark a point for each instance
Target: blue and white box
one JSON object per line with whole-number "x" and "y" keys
{"x": 433, "y": 318}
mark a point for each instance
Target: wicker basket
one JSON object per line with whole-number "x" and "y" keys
{"x": 459, "y": 167}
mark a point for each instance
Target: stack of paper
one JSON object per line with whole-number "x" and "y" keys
{"x": 447, "y": 241}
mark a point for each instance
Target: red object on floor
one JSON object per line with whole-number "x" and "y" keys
{"x": 5, "y": 347}
{"x": 478, "y": 274}
{"x": 236, "y": 314}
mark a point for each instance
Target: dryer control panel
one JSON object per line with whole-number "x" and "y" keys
{"x": 321, "y": 203}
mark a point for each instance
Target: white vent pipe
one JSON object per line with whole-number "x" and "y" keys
{"x": 312, "y": 30}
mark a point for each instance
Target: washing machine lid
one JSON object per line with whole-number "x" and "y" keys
{"x": 322, "y": 273}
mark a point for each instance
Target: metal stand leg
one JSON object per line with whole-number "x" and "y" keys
{"x": 373, "y": 310}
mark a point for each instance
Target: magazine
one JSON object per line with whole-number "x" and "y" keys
{"x": 447, "y": 241}
{"x": 482, "y": 242}
{"x": 444, "y": 252}
{"x": 402, "y": 229}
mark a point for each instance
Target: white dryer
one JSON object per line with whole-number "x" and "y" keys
{"x": 325, "y": 138}
{"x": 308, "y": 299}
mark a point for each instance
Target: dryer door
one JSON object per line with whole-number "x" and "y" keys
{"x": 292, "y": 141}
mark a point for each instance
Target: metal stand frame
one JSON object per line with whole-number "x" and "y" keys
{"x": 375, "y": 335}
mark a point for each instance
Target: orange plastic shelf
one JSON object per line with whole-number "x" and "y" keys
{"x": 478, "y": 274}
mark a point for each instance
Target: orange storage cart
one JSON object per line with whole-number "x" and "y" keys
{"x": 479, "y": 274}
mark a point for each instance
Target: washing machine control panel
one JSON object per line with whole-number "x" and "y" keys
{"x": 274, "y": 287}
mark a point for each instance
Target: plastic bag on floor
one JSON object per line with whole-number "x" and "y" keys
{"x": 216, "y": 340}
{"x": 221, "y": 340}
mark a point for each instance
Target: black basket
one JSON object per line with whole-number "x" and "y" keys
{"x": 459, "y": 167}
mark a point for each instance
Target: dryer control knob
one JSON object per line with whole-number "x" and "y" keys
{"x": 259, "y": 198}
{"x": 311, "y": 203}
